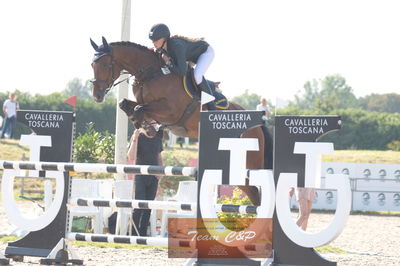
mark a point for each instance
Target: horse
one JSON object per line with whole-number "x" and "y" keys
{"x": 162, "y": 98}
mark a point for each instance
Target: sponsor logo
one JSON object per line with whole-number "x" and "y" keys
{"x": 345, "y": 171}
{"x": 382, "y": 174}
{"x": 397, "y": 175}
{"x": 329, "y": 197}
{"x": 367, "y": 173}
{"x": 396, "y": 199}
{"x": 365, "y": 198}
{"x": 381, "y": 199}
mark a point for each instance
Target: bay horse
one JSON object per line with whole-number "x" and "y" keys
{"x": 163, "y": 98}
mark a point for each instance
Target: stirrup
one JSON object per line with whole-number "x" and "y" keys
{"x": 211, "y": 106}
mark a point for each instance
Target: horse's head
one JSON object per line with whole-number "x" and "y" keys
{"x": 105, "y": 69}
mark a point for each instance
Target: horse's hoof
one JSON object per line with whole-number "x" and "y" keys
{"x": 138, "y": 113}
{"x": 124, "y": 104}
{"x": 138, "y": 109}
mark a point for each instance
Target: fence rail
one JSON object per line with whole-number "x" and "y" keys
{"x": 100, "y": 168}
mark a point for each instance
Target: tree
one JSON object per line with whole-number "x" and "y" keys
{"x": 76, "y": 87}
{"x": 330, "y": 93}
{"x": 94, "y": 147}
{"x": 247, "y": 101}
{"x": 309, "y": 97}
{"x": 389, "y": 102}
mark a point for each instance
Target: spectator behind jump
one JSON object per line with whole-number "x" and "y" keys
{"x": 145, "y": 150}
{"x": 10, "y": 108}
{"x": 263, "y": 106}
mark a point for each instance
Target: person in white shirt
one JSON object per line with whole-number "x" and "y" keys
{"x": 263, "y": 106}
{"x": 10, "y": 108}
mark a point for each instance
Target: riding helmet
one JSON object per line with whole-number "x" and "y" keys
{"x": 159, "y": 31}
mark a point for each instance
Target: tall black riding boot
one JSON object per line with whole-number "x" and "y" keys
{"x": 206, "y": 88}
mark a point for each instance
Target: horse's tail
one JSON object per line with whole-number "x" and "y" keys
{"x": 268, "y": 148}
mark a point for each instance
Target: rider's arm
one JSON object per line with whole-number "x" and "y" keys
{"x": 178, "y": 52}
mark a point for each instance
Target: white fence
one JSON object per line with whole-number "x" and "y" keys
{"x": 375, "y": 187}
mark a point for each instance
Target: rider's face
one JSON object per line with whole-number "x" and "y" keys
{"x": 158, "y": 43}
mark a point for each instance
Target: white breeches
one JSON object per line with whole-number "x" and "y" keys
{"x": 203, "y": 63}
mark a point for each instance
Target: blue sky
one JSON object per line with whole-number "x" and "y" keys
{"x": 268, "y": 47}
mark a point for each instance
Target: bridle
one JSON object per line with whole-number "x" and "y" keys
{"x": 110, "y": 66}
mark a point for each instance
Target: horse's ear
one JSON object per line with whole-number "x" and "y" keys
{"x": 105, "y": 44}
{"x": 94, "y": 45}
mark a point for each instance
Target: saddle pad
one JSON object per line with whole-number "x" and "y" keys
{"x": 193, "y": 91}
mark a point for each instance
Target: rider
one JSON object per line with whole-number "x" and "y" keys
{"x": 177, "y": 51}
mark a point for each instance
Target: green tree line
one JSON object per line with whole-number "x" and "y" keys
{"x": 361, "y": 129}
{"x": 369, "y": 122}
{"x": 101, "y": 115}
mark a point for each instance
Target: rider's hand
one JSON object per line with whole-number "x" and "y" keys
{"x": 167, "y": 60}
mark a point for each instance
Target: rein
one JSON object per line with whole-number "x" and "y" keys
{"x": 141, "y": 71}
{"x": 115, "y": 84}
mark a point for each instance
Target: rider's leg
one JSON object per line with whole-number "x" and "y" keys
{"x": 203, "y": 63}
{"x": 204, "y": 86}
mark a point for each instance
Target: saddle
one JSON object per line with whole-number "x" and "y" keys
{"x": 194, "y": 91}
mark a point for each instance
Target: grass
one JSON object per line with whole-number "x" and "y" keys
{"x": 331, "y": 249}
{"x": 5, "y": 239}
{"x": 363, "y": 156}
{"x": 176, "y": 156}
{"x": 377, "y": 213}
{"x": 11, "y": 150}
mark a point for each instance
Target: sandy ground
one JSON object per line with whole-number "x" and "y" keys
{"x": 367, "y": 239}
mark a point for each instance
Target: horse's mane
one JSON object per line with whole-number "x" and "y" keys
{"x": 135, "y": 45}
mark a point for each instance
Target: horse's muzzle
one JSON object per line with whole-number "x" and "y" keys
{"x": 98, "y": 97}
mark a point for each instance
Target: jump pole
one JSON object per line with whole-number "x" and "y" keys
{"x": 159, "y": 205}
{"x": 100, "y": 168}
